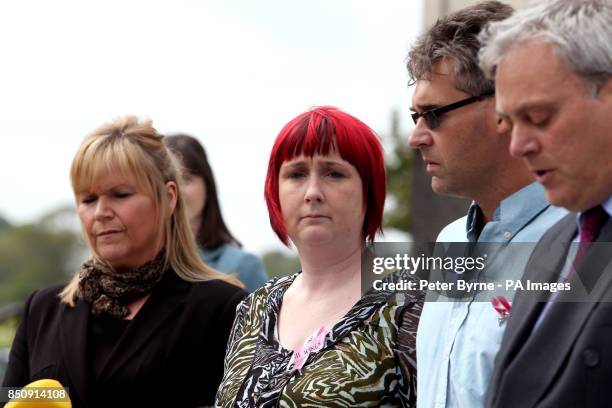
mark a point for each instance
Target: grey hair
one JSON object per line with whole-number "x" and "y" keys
{"x": 456, "y": 37}
{"x": 580, "y": 30}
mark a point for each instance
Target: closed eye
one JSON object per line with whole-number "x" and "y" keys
{"x": 122, "y": 194}
{"x": 88, "y": 199}
{"x": 538, "y": 121}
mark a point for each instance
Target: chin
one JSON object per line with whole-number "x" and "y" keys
{"x": 441, "y": 188}
{"x": 315, "y": 239}
{"x": 562, "y": 199}
{"x": 111, "y": 257}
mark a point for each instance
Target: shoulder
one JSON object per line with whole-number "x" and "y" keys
{"x": 552, "y": 215}
{"x": 453, "y": 232}
{"x": 243, "y": 258}
{"x": 216, "y": 292}
{"x": 405, "y": 300}
{"x": 43, "y": 307}
{"x": 273, "y": 287}
{"x": 229, "y": 250}
{"x": 562, "y": 226}
{"x": 550, "y": 221}
{"x": 44, "y": 299}
{"x": 269, "y": 288}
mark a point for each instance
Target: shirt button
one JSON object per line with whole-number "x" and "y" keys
{"x": 507, "y": 234}
{"x": 590, "y": 357}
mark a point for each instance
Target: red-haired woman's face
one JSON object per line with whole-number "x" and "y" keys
{"x": 321, "y": 200}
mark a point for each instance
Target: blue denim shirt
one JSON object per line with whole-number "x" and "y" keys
{"x": 457, "y": 340}
{"x": 230, "y": 259}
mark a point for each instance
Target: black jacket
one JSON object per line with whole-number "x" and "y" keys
{"x": 171, "y": 354}
{"x": 567, "y": 360}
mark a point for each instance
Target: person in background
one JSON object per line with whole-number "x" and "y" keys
{"x": 218, "y": 247}
{"x": 144, "y": 322}
{"x": 313, "y": 338}
{"x": 552, "y": 64}
{"x": 465, "y": 148}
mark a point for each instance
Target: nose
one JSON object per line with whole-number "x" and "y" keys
{"x": 103, "y": 209}
{"x": 523, "y": 142}
{"x": 313, "y": 192}
{"x": 420, "y": 136}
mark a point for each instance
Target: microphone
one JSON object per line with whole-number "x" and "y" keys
{"x": 45, "y": 393}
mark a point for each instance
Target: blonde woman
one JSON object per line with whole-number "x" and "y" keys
{"x": 144, "y": 322}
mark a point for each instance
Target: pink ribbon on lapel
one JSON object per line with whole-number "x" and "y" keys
{"x": 313, "y": 343}
{"x": 503, "y": 308}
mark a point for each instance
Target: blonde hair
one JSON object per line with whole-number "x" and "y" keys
{"x": 132, "y": 147}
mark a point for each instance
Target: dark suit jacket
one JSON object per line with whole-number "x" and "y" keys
{"x": 171, "y": 354}
{"x": 567, "y": 360}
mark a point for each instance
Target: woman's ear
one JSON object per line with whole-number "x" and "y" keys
{"x": 172, "y": 191}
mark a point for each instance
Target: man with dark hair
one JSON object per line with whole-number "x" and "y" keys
{"x": 465, "y": 149}
{"x": 552, "y": 63}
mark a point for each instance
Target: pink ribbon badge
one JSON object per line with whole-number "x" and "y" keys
{"x": 503, "y": 308}
{"x": 313, "y": 343}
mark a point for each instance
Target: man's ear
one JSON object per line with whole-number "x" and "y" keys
{"x": 172, "y": 192}
{"x": 503, "y": 126}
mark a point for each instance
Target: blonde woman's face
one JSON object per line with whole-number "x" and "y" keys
{"x": 119, "y": 221}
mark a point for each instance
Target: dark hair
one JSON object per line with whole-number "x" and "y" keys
{"x": 456, "y": 37}
{"x": 212, "y": 232}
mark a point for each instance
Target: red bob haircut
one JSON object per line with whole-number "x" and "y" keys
{"x": 320, "y": 131}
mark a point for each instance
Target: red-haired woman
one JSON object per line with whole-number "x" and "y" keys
{"x": 314, "y": 339}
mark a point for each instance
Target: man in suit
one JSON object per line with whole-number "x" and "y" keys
{"x": 552, "y": 64}
{"x": 458, "y": 135}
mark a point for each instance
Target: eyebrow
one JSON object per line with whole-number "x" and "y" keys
{"x": 324, "y": 162}
{"x": 502, "y": 115}
{"x": 534, "y": 104}
{"x": 424, "y": 108}
{"x": 113, "y": 187}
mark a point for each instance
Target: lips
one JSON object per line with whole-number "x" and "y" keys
{"x": 107, "y": 233}
{"x": 314, "y": 216}
{"x": 430, "y": 165}
{"x": 543, "y": 175}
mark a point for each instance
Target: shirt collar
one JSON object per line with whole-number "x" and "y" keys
{"x": 513, "y": 213}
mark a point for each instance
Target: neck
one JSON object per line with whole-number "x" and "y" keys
{"x": 329, "y": 269}
{"x": 504, "y": 185}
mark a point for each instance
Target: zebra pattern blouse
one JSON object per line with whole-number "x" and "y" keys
{"x": 367, "y": 359}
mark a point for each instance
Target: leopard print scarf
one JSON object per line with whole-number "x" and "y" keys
{"x": 110, "y": 291}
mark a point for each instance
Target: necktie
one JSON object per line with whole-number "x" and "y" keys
{"x": 590, "y": 225}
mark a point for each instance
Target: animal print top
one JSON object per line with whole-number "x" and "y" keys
{"x": 367, "y": 359}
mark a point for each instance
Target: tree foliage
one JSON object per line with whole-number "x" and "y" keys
{"x": 34, "y": 256}
{"x": 4, "y": 224}
{"x": 279, "y": 264}
{"x": 399, "y": 170}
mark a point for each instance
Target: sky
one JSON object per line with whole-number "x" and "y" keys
{"x": 230, "y": 72}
